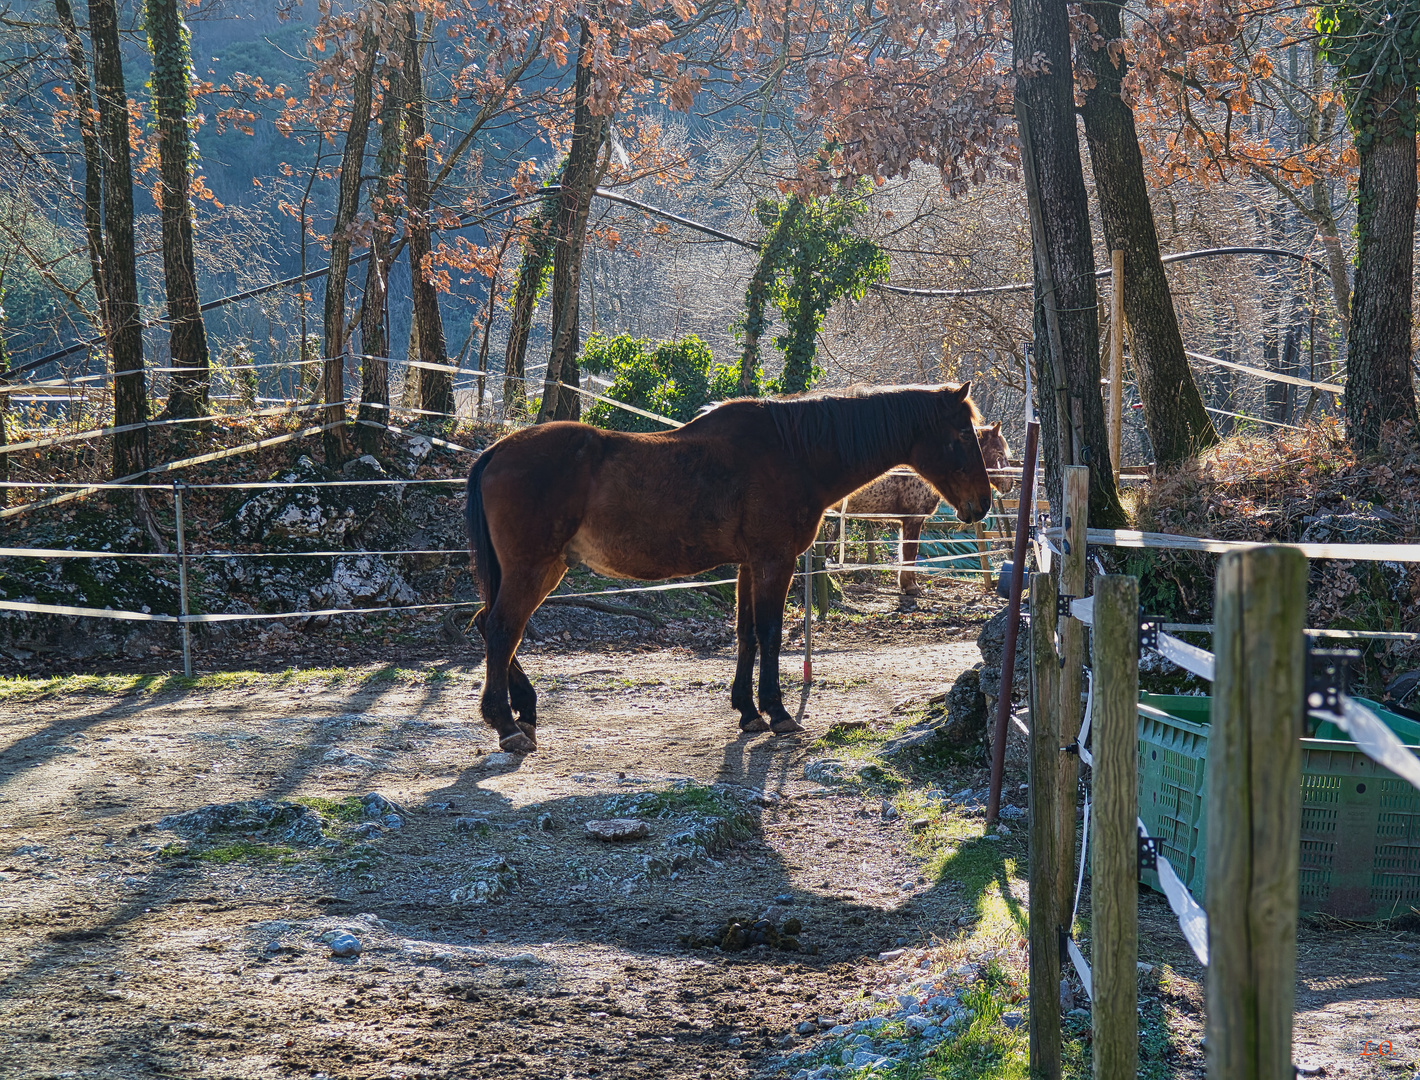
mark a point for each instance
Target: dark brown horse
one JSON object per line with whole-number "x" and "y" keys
{"x": 746, "y": 482}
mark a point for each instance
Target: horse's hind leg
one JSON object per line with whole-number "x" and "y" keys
{"x": 907, "y": 576}
{"x": 517, "y": 599}
{"x": 742, "y": 690}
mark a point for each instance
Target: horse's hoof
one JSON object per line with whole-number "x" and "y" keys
{"x": 786, "y": 727}
{"x": 754, "y": 723}
{"x": 517, "y": 743}
{"x": 913, "y": 591}
{"x": 530, "y": 730}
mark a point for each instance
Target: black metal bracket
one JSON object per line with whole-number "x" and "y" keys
{"x": 1063, "y": 936}
{"x": 1328, "y": 676}
{"x": 1149, "y": 626}
{"x": 1062, "y": 605}
{"x": 1148, "y": 852}
{"x": 1073, "y": 748}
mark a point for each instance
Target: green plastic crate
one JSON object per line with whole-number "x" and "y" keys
{"x": 1360, "y": 854}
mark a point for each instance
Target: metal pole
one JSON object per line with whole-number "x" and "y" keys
{"x": 1013, "y": 619}
{"x": 808, "y": 616}
{"x": 178, "y": 485}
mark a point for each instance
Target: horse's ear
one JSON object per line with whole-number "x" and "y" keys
{"x": 961, "y": 393}
{"x": 996, "y": 427}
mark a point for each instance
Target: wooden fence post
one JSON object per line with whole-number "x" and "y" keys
{"x": 1114, "y": 888}
{"x": 1254, "y": 812}
{"x": 1044, "y": 833}
{"x": 1072, "y": 652}
{"x": 1116, "y": 359}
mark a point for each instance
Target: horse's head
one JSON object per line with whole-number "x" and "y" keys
{"x": 949, "y": 456}
{"x": 996, "y": 453}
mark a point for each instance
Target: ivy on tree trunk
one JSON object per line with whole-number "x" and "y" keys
{"x": 187, "y": 337}
{"x": 1178, "y": 423}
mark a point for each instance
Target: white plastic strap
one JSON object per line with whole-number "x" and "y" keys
{"x": 1192, "y": 919}
{"x": 1189, "y": 657}
{"x": 1084, "y": 848}
{"x": 1084, "y": 610}
{"x": 1376, "y": 741}
{"x": 1082, "y": 968}
{"x": 1085, "y": 755}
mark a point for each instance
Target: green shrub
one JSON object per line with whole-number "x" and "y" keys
{"x": 674, "y": 379}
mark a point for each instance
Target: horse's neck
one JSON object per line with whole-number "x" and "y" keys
{"x": 840, "y": 479}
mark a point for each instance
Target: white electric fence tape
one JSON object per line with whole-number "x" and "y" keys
{"x": 1081, "y": 967}
{"x": 1084, "y": 610}
{"x": 1376, "y": 741}
{"x": 1189, "y": 657}
{"x": 1084, "y": 852}
{"x": 1192, "y": 919}
{"x": 1085, "y": 755}
{"x": 1130, "y": 538}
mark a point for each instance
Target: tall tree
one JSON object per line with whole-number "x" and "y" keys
{"x": 93, "y": 159}
{"x": 436, "y": 388}
{"x": 125, "y": 329}
{"x": 1072, "y": 416}
{"x": 335, "y": 440}
{"x": 187, "y": 337}
{"x": 374, "y": 308}
{"x": 587, "y": 162}
{"x": 1376, "y": 49}
{"x": 1178, "y": 424}
{"x": 533, "y": 271}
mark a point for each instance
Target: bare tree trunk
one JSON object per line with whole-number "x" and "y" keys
{"x": 585, "y": 167}
{"x": 130, "y": 397}
{"x": 93, "y": 159}
{"x": 1378, "y": 375}
{"x": 187, "y": 337}
{"x": 488, "y": 321}
{"x": 374, "y": 311}
{"x": 1173, "y": 408}
{"x": 436, "y": 388}
{"x": 335, "y": 441}
{"x": 1064, "y": 253}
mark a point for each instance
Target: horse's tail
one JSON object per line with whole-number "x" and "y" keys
{"x": 482, "y": 557}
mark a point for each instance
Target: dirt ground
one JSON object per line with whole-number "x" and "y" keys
{"x": 128, "y": 950}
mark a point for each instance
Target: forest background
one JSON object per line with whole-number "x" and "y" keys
{"x": 826, "y": 150}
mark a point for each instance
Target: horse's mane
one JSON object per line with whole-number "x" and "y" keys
{"x": 859, "y": 422}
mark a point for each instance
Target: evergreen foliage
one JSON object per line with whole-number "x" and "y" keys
{"x": 674, "y": 379}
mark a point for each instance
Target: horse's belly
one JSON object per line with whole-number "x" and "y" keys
{"x": 632, "y": 558}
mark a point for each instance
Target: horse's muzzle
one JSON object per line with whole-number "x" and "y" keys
{"x": 972, "y": 511}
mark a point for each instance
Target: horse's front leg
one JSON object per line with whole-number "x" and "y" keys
{"x": 771, "y": 589}
{"x": 907, "y": 576}
{"x": 742, "y": 689}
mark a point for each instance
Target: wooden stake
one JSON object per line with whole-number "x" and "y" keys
{"x": 1254, "y": 812}
{"x": 1114, "y": 861}
{"x": 1072, "y": 653}
{"x": 1044, "y": 834}
{"x": 1116, "y": 360}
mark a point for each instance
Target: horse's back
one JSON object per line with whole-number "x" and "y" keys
{"x": 903, "y": 493}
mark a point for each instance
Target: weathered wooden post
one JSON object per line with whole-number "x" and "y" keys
{"x": 1114, "y": 889}
{"x": 1116, "y": 360}
{"x": 1254, "y": 811}
{"x": 1072, "y": 652}
{"x": 821, "y": 585}
{"x": 1044, "y": 833}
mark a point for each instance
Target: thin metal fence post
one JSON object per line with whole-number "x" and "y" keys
{"x": 808, "y": 616}
{"x": 183, "y": 629}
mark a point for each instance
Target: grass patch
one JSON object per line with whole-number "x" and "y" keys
{"x": 684, "y": 799}
{"x": 347, "y": 810}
